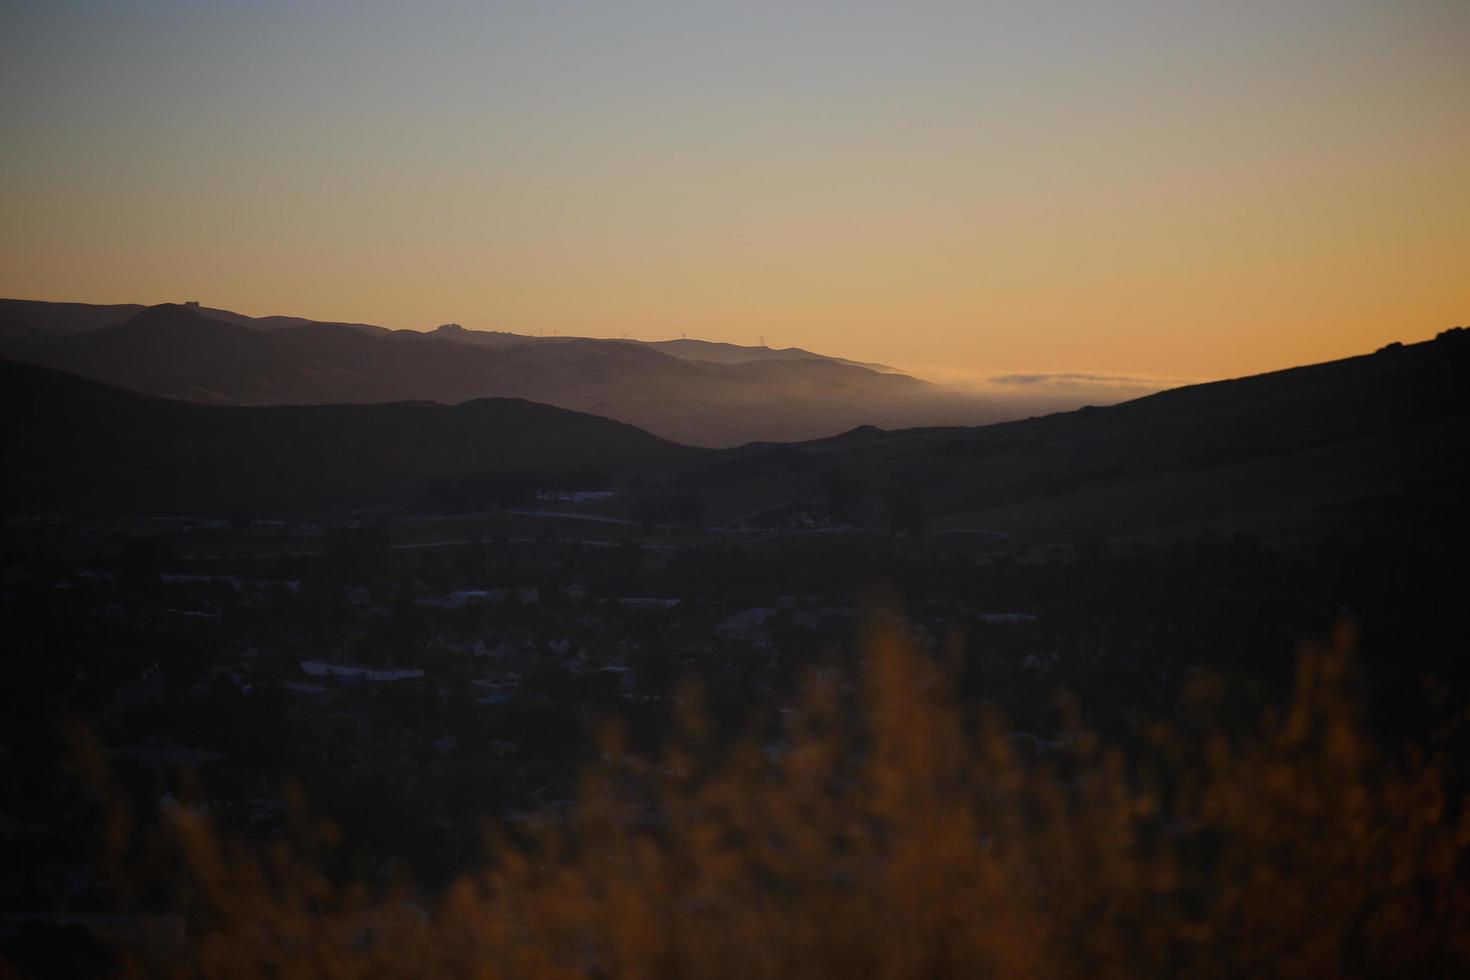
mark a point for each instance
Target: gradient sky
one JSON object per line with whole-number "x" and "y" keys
{"x": 1173, "y": 189}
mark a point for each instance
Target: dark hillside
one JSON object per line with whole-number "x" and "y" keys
{"x": 1280, "y": 448}
{"x": 73, "y": 445}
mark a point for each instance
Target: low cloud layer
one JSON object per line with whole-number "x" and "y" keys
{"x": 1033, "y": 392}
{"x": 1073, "y": 379}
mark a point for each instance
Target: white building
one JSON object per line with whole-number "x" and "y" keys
{"x": 359, "y": 672}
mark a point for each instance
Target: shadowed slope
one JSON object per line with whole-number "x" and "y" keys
{"x": 1283, "y": 448}
{"x": 75, "y": 445}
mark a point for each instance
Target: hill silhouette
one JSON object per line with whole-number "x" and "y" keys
{"x": 694, "y": 392}
{"x": 74, "y": 445}
{"x": 1386, "y": 430}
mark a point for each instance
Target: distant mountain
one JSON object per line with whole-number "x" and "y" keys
{"x": 276, "y": 322}
{"x": 491, "y": 339}
{"x": 175, "y": 351}
{"x": 28, "y": 323}
{"x": 685, "y": 349}
{"x": 722, "y": 353}
{"x": 1282, "y": 453}
{"x": 703, "y": 394}
{"x": 75, "y": 445}
{"x": 42, "y": 321}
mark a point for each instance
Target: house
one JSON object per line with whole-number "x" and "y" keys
{"x": 359, "y": 673}
{"x": 648, "y": 602}
{"x": 472, "y": 597}
{"x": 454, "y": 600}
{"x": 490, "y": 693}
{"x": 748, "y": 625}
{"x": 572, "y": 496}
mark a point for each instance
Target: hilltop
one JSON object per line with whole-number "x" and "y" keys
{"x": 695, "y": 392}
{"x": 1285, "y": 450}
{"x": 75, "y": 445}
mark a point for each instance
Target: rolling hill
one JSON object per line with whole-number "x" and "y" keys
{"x": 1277, "y": 452}
{"x": 1282, "y": 452}
{"x": 700, "y": 394}
{"x": 73, "y": 445}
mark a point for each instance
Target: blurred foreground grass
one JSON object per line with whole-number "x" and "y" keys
{"x": 893, "y": 835}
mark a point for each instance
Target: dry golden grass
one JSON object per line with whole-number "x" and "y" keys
{"x": 913, "y": 845}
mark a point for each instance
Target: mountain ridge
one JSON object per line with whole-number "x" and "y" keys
{"x": 1281, "y": 450}
{"x": 179, "y": 350}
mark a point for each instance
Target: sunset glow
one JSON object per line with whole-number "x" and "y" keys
{"x": 1158, "y": 189}
{"x": 641, "y": 489}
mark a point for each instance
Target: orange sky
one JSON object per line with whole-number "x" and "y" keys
{"x": 1159, "y": 189}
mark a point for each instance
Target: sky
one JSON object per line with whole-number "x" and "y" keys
{"x": 1169, "y": 190}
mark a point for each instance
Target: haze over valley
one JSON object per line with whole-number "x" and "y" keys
{"x": 698, "y": 392}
